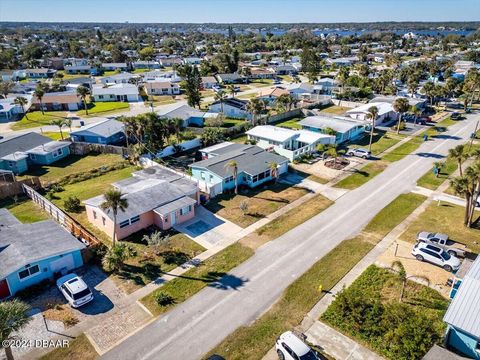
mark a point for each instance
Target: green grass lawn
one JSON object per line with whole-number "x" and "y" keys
{"x": 260, "y": 203}
{"x": 430, "y": 181}
{"x": 362, "y": 175}
{"x": 227, "y": 123}
{"x": 73, "y": 164}
{"x": 290, "y": 123}
{"x": 24, "y": 210}
{"x": 37, "y": 119}
{"x": 257, "y": 83}
{"x": 371, "y": 312}
{"x": 381, "y": 141}
{"x": 79, "y": 348}
{"x": 239, "y": 139}
{"x": 55, "y": 135}
{"x": 337, "y": 110}
{"x": 255, "y": 340}
{"x": 160, "y": 100}
{"x": 141, "y": 71}
{"x": 247, "y": 96}
{"x": 104, "y": 107}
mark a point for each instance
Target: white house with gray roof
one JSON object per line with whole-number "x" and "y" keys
{"x": 117, "y": 92}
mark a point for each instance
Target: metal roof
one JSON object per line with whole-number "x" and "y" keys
{"x": 105, "y": 128}
{"x": 339, "y": 124}
{"x": 174, "y": 205}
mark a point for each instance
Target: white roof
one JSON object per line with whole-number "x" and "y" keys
{"x": 280, "y": 134}
{"x": 337, "y": 123}
{"x": 216, "y": 147}
{"x": 117, "y": 89}
{"x": 383, "y": 108}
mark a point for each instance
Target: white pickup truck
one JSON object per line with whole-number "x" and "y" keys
{"x": 442, "y": 240}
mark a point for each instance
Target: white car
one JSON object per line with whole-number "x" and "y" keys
{"x": 75, "y": 290}
{"x": 435, "y": 255}
{"x": 363, "y": 153}
{"x": 290, "y": 347}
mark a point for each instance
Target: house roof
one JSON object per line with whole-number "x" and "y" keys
{"x": 183, "y": 112}
{"x": 121, "y": 76}
{"x": 39, "y": 71}
{"x": 7, "y": 218}
{"x": 383, "y": 108}
{"x": 391, "y": 100}
{"x": 304, "y": 87}
{"x": 464, "y": 310}
{"x": 280, "y": 134}
{"x": 250, "y": 159}
{"x": 174, "y": 205}
{"x": 231, "y": 77}
{"x": 119, "y": 65}
{"x": 48, "y": 147}
{"x": 160, "y": 85}
{"x": 234, "y": 102}
{"x": 104, "y": 128}
{"x": 277, "y": 91}
{"x": 61, "y": 97}
{"x": 209, "y": 79}
{"x": 21, "y": 143}
{"x": 337, "y": 123}
{"x": 22, "y": 244}
{"x": 117, "y": 89}
{"x": 437, "y": 352}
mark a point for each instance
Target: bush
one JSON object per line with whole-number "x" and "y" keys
{"x": 72, "y": 204}
{"x": 163, "y": 299}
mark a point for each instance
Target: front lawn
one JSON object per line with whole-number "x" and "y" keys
{"x": 290, "y": 123}
{"x": 260, "y": 203}
{"x": 336, "y": 110}
{"x": 229, "y": 122}
{"x": 160, "y": 100}
{"x": 253, "y": 341}
{"x": 55, "y": 135}
{"x": 371, "y": 311}
{"x": 79, "y": 348}
{"x": 96, "y": 108}
{"x": 37, "y": 119}
{"x": 24, "y": 210}
{"x": 430, "y": 181}
{"x": 381, "y": 141}
{"x": 362, "y": 175}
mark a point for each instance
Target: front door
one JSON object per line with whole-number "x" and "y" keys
{"x": 173, "y": 216}
{"x": 4, "y": 290}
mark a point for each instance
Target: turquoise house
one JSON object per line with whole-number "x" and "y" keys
{"x": 31, "y": 253}
{"x": 18, "y": 152}
{"x": 346, "y": 129}
{"x": 463, "y": 315}
{"x": 107, "y": 132}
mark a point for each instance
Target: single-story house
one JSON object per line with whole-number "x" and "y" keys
{"x": 122, "y": 78}
{"x": 155, "y": 195}
{"x": 19, "y": 151}
{"x": 346, "y": 129}
{"x": 253, "y": 167}
{"x": 189, "y": 115}
{"x": 192, "y": 60}
{"x": 161, "y": 76}
{"x": 261, "y": 73}
{"x": 287, "y": 142}
{"x": 300, "y": 90}
{"x": 31, "y": 253}
{"x": 463, "y": 315}
{"x": 42, "y": 73}
{"x": 117, "y": 92}
{"x": 10, "y": 110}
{"x": 208, "y": 82}
{"x": 56, "y": 63}
{"x": 115, "y": 66}
{"x": 108, "y": 131}
{"x": 270, "y": 95}
{"x": 285, "y": 70}
{"x": 417, "y": 102}
{"x": 146, "y": 65}
{"x": 233, "y": 78}
{"x": 385, "y": 115}
{"x": 75, "y": 61}
{"x": 161, "y": 88}
{"x": 62, "y": 100}
{"x": 232, "y": 107}
{"x": 325, "y": 86}
{"x": 170, "y": 61}
{"x": 78, "y": 69}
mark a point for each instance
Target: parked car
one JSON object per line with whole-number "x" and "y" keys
{"x": 277, "y": 81}
{"x": 455, "y": 116}
{"x": 442, "y": 241}
{"x": 75, "y": 290}
{"x": 290, "y": 347}
{"x": 435, "y": 255}
{"x": 360, "y": 152}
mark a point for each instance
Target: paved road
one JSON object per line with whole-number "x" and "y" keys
{"x": 196, "y": 326}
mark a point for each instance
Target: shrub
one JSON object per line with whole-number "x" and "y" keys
{"x": 163, "y": 299}
{"x": 72, "y": 204}
{"x": 69, "y": 320}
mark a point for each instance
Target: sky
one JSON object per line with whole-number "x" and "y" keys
{"x": 242, "y": 11}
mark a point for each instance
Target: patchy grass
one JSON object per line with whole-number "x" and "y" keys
{"x": 257, "y": 83}
{"x": 247, "y": 96}
{"x": 362, "y": 175}
{"x": 79, "y": 348}
{"x": 206, "y": 274}
{"x": 55, "y": 135}
{"x": 104, "y": 107}
{"x": 444, "y": 218}
{"x": 381, "y": 141}
{"x": 291, "y": 123}
{"x": 160, "y": 100}
{"x": 229, "y": 122}
{"x": 260, "y": 203}
{"x": 72, "y": 164}
{"x": 37, "y": 119}
{"x": 371, "y": 312}
{"x": 24, "y": 210}
{"x": 403, "y": 150}
{"x": 255, "y": 340}
{"x": 239, "y": 139}
{"x": 337, "y": 110}
{"x": 430, "y": 181}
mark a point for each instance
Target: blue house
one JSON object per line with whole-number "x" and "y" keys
{"x": 463, "y": 315}
{"x": 346, "y": 129}
{"x": 18, "y": 152}
{"x": 189, "y": 115}
{"x": 253, "y": 167}
{"x": 31, "y": 253}
{"x": 108, "y": 132}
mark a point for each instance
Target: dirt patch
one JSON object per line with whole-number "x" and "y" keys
{"x": 254, "y": 241}
{"x": 338, "y": 164}
{"x": 60, "y": 312}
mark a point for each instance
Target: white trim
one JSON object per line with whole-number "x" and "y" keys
{"x": 29, "y": 276}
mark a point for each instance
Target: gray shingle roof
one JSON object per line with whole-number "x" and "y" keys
{"x": 21, "y": 143}
{"x": 105, "y": 128}
{"x": 174, "y": 205}
{"x": 440, "y": 353}
{"x": 464, "y": 311}
{"x": 183, "y": 112}
{"x": 22, "y": 244}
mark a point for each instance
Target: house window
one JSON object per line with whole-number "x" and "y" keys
{"x": 135, "y": 219}
{"x": 103, "y": 220}
{"x": 261, "y": 176}
{"x": 124, "y": 223}
{"x": 32, "y": 156}
{"x": 94, "y": 215}
{"x": 100, "y": 96}
{"x": 185, "y": 210}
{"x": 29, "y": 271}
{"x": 57, "y": 153}
{"x": 477, "y": 348}
{"x": 229, "y": 179}
{"x": 11, "y": 163}
{"x": 255, "y": 178}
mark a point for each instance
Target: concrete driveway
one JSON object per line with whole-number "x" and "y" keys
{"x": 208, "y": 229}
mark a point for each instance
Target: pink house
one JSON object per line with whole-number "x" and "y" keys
{"x": 156, "y": 196}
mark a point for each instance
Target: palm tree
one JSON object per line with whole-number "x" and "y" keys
{"x": 83, "y": 92}
{"x": 332, "y": 151}
{"x": 231, "y": 90}
{"x": 39, "y": 92}
{"x": 458, "y": 153}
{"x": 273, "y": 166}
{"x": 114, "y": 202}
{"x": 372, "y": 114}
{"x": 416, "y": 112}
{"x": 68, "y": 123}
{"x": 6, "y": 87}
{"x": 116, "y": 256}
{"x": 220, "y": 96}
{"x": 13, "y": 316}
{"x": 401, "y": 106}
{"x": 20, "y": 100}
{"x": 428, "y": 89}
{"x": 234, "y": 166}
{"x": 398, "y": 267}
{"x": 255, "y": 107}
{"x": 177, "y": 125}
{"x": 60, "y": 123}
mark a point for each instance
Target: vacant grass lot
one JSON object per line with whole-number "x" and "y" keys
{"x": 337, "y": 110}
{"x": 290, "y": 123}
{"x": 78, "y": 349}
{"x": 73, "y": 164}
{"x": 37, "y": 119}
{"x": 444, "y": 218}
{"x": 94, "y": 109}
{"x": 254, "y": 341}
{"x": 24, "y": 210}
{"x": 371, "y": 312}
{"x": 362, "y": 175}
{"x": 260, "y": 203}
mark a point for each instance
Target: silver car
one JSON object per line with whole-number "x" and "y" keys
{"x": 360, "y": 152}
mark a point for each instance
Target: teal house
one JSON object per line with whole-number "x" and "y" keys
{"x": 346, "y": 129}
{"x": 463, "y": 315}
{"x": 31, "y": 253}
{"x": 19, "y": 152}
{"x": 107, "y": 132}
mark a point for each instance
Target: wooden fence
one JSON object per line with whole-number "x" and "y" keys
{"x": 61, "y": 217}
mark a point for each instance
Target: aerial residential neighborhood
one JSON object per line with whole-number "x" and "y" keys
{"x": 260, "y": 180}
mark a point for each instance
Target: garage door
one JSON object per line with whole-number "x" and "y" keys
{"x": 65, "y": 262}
